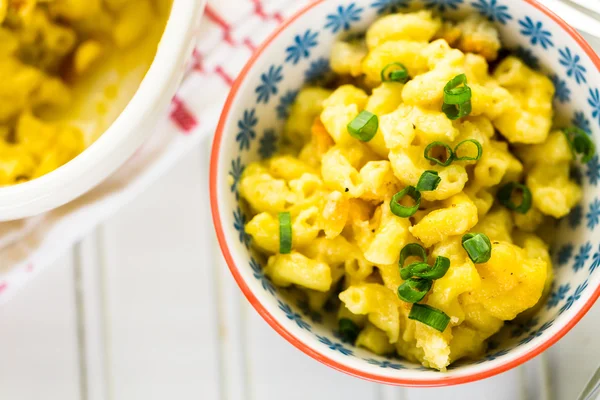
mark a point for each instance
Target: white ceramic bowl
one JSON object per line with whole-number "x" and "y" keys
{"x": 125, "y": 135}
{"x": 299, "y": 50}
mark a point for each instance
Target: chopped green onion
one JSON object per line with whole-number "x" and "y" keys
{"x": 478, "y": 247}
{"x": 394, "y": 72}
{"x": 348, "y": 330}
{"x": 456, "y": 111}
{"x": 506, "y": 193}
{"x": 413, "y": 290}
{"x": 425, "y": 271}
{"x": 428, "y": 181}
{"x": 285, "y": 233}
{"x": 440, "y": 161}
{"x": 430, "y": 316}
{"x": 580, "y": 143}
{"x": 412, "y": 249}
{"x": 364, "y": 126}
{"x": 456, "y": 94}
{"x": 439, "y": 269}
{"x": 467, "y": 158}
{"x": 457, "y": 99}
{"x": 408, "y": 271}
{"x": 405, "y": 211}
{"x": 459, "y": 95}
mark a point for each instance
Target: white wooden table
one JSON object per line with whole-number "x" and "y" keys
{"x": 144, "y": 308}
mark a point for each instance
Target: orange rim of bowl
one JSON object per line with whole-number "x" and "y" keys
{"x": 509, "y": 364}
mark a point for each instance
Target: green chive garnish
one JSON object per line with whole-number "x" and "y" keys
{"x": 478, "y": 247}
{"x": 507, "y": 192}
{"x": 410, "y": 250}
{"x": 439, "y": 269}
{"x": 408, "y": 271}
{"x": 364, "y": 126}
{"x": 466, "y": 157}
{"x": 454, "y": 112}
{"x": 425, "y": 271}
{"x": 413, "y": 290}
{"x": 348, "y": 330}
{"x": 405, "y": 211}
{"x": 443, "y": 161}
{"x": 394, "y": 72}
{"x": 457, "y": 99}
{"x": 428, "y": 181}
{"x": 285, "y": 232}
{"x": 580, "y": 143}
{"x": 430, "y": 316}
{"x": 456, "y": 94}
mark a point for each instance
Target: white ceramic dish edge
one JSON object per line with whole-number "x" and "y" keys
{"x": 125, "y": 135}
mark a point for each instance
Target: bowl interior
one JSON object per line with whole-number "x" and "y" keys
{"x": 258, "y": 107}
{"x": 102, "y": 94}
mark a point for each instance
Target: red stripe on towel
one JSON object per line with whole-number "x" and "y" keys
{"x": 182, "y": 116}
{"x": 221, "y": 22}
{"x": 224, "y": 75}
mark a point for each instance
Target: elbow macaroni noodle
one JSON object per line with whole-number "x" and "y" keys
{"x": 346, "y": 240}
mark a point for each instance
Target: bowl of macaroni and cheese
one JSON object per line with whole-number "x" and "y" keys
{"x": 83, "y": 82}
{"x": 407, "y": 191}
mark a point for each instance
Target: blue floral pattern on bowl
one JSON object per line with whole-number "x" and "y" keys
{"x": 343, "y": 19}
{"x": 593, "y": 171}
{"x": 301, "y": 48}
{"x": 390, "y": 6}
{"x": 268, "y": 87}
{"x": 317, "y": 70}
{"x": 443, "y": 5}
{"x": 536, "y": 32}
{"x": 571, "y": 62}
{"x": 276, "y": 80}
{"x": 494, "y": 10}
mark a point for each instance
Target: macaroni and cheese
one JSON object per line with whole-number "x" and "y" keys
{"x": 45, "y": 45}
{"x": 425, "y": 151}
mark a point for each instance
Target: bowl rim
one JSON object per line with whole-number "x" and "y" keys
{"x": 124, "y": 135}
{"x": 279, "y": 328}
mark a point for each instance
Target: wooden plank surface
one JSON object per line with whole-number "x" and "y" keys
{"x": 93, "y": 317}
{"x": 162, "y": 337}
{"x": 39, "y": 356}
{"x": 277, "y": 370}
{"x": 574, "y": 358}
